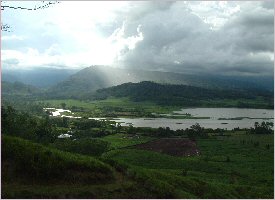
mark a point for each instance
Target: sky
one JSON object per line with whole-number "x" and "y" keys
{"x": 216, "y": 37}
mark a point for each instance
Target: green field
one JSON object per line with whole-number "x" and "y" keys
{"x": 226, "y": 164}
{"x": 123, "y": 140}
{"x": 233, "y": 166}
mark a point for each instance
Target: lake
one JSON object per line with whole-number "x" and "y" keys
{"x": 246, "y": 118}
{"x": 218, "y": 118}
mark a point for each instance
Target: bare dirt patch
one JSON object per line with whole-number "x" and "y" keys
{"x": 171, "y": 146}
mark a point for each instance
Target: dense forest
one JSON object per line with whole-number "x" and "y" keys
{"x": 162, "y": 94}
{"x": 180, "y": 95}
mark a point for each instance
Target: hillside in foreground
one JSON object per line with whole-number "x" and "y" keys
{"x": 31, "y": 170}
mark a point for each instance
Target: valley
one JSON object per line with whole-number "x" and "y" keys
{"x": 136, "y": 140}
{"x": 137, "y": 99}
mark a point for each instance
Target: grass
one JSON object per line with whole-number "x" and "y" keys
{"x": 227, "y": 167}
{"x": 123, "y": 140}
{"x": 40, "y": 163}
{"x": 31, "y": 170}
{"x": 124, "y": 190}
{"x": 34, "y": 171}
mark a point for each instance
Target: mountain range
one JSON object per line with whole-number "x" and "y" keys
{"x": 62, "y": 83}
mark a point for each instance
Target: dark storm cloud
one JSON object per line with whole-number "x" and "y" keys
{"x": 268, "y": 4}
{"x": 253, "y": 31}
{"x": 178, "y": 40}
{"x": 166, "y": 34}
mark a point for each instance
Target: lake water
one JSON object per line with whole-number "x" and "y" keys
{"x": 228, "y": 112}
{"x": 212, "y": 122}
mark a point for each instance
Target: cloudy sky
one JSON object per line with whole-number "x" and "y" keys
{"x": 219, "y": 37}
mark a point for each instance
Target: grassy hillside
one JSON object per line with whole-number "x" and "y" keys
{"x": 42, "y": 164}
{"x": 238, "y": 166}
{"x": 32, "y": 170}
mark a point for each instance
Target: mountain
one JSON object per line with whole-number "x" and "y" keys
{"x": 184, "y": 95}
{"x": 92, "y": 78}
{"x": 38, "y": 77}
{"x": 18, "y": 88}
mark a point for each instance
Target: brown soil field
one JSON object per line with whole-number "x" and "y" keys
{"x": 171, "y": 146}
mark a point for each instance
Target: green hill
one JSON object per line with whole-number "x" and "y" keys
{"x": 184, "y": 95}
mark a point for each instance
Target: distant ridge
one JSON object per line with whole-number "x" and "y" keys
{"x": 41, "y": 77}
{"x": 183, "y": 95}
{"x": 18, "y": 88}
{"x": 92, "y": 78}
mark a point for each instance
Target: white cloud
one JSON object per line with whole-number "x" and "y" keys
{"x": 214, "y": 13}
{"x": 90, "y": 50}
{"x": 12, "y": 37}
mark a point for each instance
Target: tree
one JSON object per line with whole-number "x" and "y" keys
{"x": 63, "y": 105}
{"x": 131, "y": 130}
{"x": 197, "y": 128}
{"x": 65, "y": 122}
{"x": 263, "y": 128}
{"x": 45, "y": 132}
{"x": 196, "y": 131}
